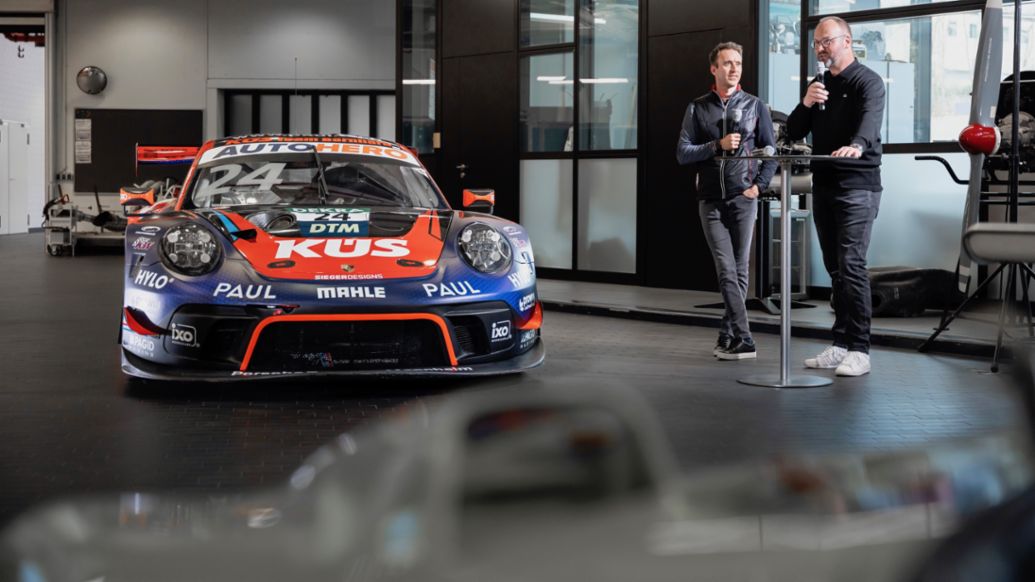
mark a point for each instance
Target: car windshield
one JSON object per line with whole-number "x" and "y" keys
{"x": 294, "y": 179}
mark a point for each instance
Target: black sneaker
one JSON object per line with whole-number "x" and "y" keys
{"x": 724, "y": 343}
{"x": 740, "y": 350}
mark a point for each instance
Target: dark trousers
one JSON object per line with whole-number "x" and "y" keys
{"x": 844, "y": 221}
{"x": 728, "y": 227}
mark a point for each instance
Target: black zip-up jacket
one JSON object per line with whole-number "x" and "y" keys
{"x": 721, "y": 175}
{"x": 853, "y": 115}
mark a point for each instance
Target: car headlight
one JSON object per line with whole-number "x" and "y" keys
{"x": 190, "y": 249}
{"x": 484, "y": 248}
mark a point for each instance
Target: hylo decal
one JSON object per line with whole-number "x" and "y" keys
{"x": 151, "y": 279}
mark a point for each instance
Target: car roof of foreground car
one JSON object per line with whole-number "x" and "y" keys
{"x": 282, "y": 137}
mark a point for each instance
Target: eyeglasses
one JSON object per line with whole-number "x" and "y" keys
{"x": 825, "y": 42}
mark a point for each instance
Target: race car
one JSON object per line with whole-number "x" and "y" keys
{"x": 309, "y": 255}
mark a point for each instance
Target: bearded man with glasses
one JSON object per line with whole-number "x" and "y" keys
{"x": 843, "y": 110}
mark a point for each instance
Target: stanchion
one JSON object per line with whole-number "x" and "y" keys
{"x": 784, "y": 379}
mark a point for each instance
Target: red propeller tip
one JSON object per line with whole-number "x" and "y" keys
{"x": 980, "y": 139}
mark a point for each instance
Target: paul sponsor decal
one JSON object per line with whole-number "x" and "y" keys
{"x": 358, "y": 292}
{"x": 341, "y": 248}
{"x": 184, "y": 335}
{"x": 450, "y": 289}
{"x": 500, "y": 331}
{"x": 526, "y": 302}
{"x": 150, "y": 279}
{"x": 244, "y": 291}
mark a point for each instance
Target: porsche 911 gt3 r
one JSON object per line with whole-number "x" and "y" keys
{"x": 324, "y": 255}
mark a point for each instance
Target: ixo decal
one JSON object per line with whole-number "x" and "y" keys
{"x": 244, "y": 291}
{"x": 184, "y": 335}
{"x": 151, "y": 279}
{"x": 341, "y": 248}
{"x": 350, "y": 292}
{"x": 500, "y": 331}
{"x": 452, "y": 289}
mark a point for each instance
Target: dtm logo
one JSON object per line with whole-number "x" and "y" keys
{"x": 500, "y": 331}
{"x": 350, "y": 292}
{"x": 184, "y": 335}
{"x": 342, "y": 248}
{"x": 453, "y": 289}
{"x": 526, "y": 302}
{"x": 244, "y": 291}
{"x": 151, "y": 279}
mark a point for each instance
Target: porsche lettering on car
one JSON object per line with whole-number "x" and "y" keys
{"x": 302, "y": 255}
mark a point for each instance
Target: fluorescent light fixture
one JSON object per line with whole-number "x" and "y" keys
{"x": 563, "y": 82}
{"x": 605, "y": 81}
{"x": 545, "y": 17}
{"x": 418, "y": 81}
{"x": 550, "y": 78}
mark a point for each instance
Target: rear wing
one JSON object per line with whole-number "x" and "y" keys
{"x": 168, "y": 155}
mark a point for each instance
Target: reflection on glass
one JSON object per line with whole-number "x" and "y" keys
{"x": 330, "y": 114}
{"x": 418, "y": 75}
{"x": 301, "y": 114}
{"x": 607, "y": 215}
{"x": 271, "y": 114}
{"x": 546, "y": 22}
{"x": 546, "y": 210}
{"x": 359, "y": 115}
{"x": 608, "y": 77}
{"x": 547, "y": 87}
{"x": 386, "y": 117}
{"x": 821, "y": 7}
{"x": 783, "y": 55}
{"x": 241, "y": 116}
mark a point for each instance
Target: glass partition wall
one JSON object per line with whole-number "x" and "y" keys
{"x": 578, "y": 120}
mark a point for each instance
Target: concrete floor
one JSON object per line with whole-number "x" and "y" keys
{"x": 71, "y": 423}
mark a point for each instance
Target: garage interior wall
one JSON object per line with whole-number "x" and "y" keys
{"x": 178, "y": 55}
{"x": 22, "y": 98}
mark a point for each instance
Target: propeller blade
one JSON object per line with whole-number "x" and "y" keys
{"x": 984, "y": 96}
{"x": 970, "y": 216}
{"x": 988, "y": 71}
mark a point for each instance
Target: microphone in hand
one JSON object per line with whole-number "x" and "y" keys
{"x": 821, "y": 76}
{"x": 766, "y": 151}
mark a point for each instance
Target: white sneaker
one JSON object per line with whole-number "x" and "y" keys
{"x": 828, "y": 358}
{"x": 854, "y": 364}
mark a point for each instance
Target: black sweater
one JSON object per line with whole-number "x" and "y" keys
{"x": 854, "y": 114}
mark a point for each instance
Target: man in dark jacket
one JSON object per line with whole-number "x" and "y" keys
{"x": 843, "y": 111}
{"x": 719, "y": 127}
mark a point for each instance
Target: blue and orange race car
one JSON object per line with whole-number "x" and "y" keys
{"x": 298, "y": 255}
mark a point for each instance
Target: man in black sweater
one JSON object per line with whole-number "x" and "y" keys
{"x": 843, "y": 110}
{"x": 719, "y": 128}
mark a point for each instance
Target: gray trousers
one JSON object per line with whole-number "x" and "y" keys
{"x": 728, "y": 227}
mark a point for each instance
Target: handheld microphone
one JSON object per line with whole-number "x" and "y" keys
{"x": 766, "y": 151}
{"x": 821, "y": 74}
{"x": 735, "y": 117}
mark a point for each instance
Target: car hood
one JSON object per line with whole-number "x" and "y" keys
{"x": 334, "y": 243}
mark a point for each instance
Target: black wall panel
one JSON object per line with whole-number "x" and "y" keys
{"x": 114, "y": 135}
{"x": 474, "y": 27}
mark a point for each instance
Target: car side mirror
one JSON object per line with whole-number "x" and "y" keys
{"x": 135, "y": 199}
{"x": 479, "y": 200}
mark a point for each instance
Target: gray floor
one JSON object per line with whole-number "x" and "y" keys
{"x": 72, "y": 424}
